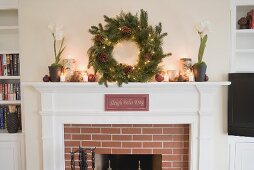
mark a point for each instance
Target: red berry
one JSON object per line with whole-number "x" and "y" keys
{"x": 46, "y": 78}
{"x": 206, "y": 78}
{"x": 91, "y": 78}
{"x": 159, "y": 77}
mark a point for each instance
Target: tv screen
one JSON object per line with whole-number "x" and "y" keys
{"x": 241, "y": 104}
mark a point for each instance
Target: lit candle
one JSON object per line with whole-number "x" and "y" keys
{"x": 191, "y": 76}
{"x": 62, "y": 77}
{"x": 85, "y": 77}
{"x": 166, "y": 77}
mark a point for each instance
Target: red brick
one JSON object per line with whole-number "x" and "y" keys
{"x": 142, "y": 137}
{"x": 101, "y": 137}
{"x": 162, "y": 137}
{"x": 111, "y": 144}
{"x": 131, "y": 144}
{"x": 131, "y": 131}
{"x": 72, "y": 143}
{"x": 162, "y": 151}
{"x": 71, "y": 130}
{"x": 173, "y": 145}
{"x": 166, "y": 164}
{"x": 103, "y": 151}
{"x": 81, "y": 125}
{"x": 121, "y": 151}
{"x": 180, "y": 151}
{"x": 173, "y": 131}
{"x": 121, "y": 137}
{"x": 91, "y": 144}
{"x": 67, "y": 136}
{"x": 67, "y": 125}
{"x": 181, "y": 138}
{"x": 185, "y": 158}
{"x": 171, "y": 168}
{"x": 186, "y": 144}
{"x": 152, "y": 144}
{"x": 142, "y": 125}
{"x": 172, "y": 157}
{"x": 180, "y": 164}
{"x": 67, "y": 150}
{"x": 152, "y": 131}
{"x": 142, "y": 151}
{"x": 90, "y": 130}
{"x": 111, "y": 130}
{"x": 81, "y": 137}
{"x": 101, "y": 125}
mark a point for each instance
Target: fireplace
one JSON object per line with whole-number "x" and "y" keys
{"x": 172, "y": 104}
{"x": 169, "y": 142}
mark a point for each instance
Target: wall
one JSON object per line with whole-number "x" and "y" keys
{"x": 178, "y": 18}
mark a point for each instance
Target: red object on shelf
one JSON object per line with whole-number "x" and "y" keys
{"x": 251, "y": 19}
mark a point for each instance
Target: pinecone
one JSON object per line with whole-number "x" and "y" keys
{"x": 128, "y": 69}
{"x": 148, "y": 57}
{"x": 103, "y": 57}
{"x": 243, "y": 21}
{"x": 98, "y": 38}
{"x": 126, "y": 30}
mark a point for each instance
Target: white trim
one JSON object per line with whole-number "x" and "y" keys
{"x": 179, "y": 103}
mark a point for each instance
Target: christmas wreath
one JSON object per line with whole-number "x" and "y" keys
{"x": 131, "y": 28}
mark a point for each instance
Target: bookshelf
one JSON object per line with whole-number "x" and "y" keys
{"x": 242, "y": 47}
{"x": 11, "y": 144}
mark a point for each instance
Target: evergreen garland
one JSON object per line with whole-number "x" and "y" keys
{"x": 131, "y": 28}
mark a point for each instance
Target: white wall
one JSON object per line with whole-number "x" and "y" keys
{"x": 178, "y": 18}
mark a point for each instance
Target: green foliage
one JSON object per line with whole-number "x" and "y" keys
{"x": 131, "y": 28}
{"x": 203, "y": 41}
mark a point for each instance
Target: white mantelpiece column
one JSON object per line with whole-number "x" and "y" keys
{"x": 170, "y": 103}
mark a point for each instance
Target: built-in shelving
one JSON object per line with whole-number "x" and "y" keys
{"x": 245, "y": 31}
{"x": 9, "y": 27}
{"x": 9, "y": 77}
{"x": 7, "y": 102}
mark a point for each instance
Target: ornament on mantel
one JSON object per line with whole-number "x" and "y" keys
{"x": 46, "y": 78}
{"x": 91, "y": 78}
{"x": 159, "y": 77}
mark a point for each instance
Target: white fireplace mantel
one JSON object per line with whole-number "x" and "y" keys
{"x": 191, "y": 103}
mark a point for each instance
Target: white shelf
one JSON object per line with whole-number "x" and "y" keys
{"x": 9, "y": 27}
{"x": 244, "y": 2}
{"x": 9, "y": 77}
{"x": 245, "y": 31}
{"x": 244, "y": 50}
{"x": 8, "y": 4}
{"x": 6, "y": 102}
{"x": 9, "y": 52}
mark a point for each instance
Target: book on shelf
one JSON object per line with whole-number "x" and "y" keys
{"x": 9, "y": 65}
{"x": 3, "y": 116}
{"x": 10, "y": 91}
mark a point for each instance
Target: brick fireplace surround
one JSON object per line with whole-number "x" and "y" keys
{"x": 171, "y": 141}
{"x": 181, "y": 108}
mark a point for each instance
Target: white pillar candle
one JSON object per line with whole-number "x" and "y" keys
{"x": 191, "y": 76}
{"x": 62, "y": 78}
{"x": 166, "y": 77}
{"x": 85, "y": 77}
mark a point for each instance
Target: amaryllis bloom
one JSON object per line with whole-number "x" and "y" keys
{"x": 203, "y": 27}
{"x": 57, "y": 31}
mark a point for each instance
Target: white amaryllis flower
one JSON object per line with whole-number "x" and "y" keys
{"x": 57, "y": 31}
{"x": 203, "y": 27}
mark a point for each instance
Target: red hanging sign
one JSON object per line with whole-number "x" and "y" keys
{"x": 126, "y": 102}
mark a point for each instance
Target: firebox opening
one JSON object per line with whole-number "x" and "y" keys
{"x": 128, "y": 161}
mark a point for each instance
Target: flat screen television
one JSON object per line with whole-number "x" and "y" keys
{"x": 241, "y": 104}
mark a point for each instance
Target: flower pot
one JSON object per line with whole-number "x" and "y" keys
{"x": 199, "y": 71}
{"x": 12, "y": 122}
{"x": 55, "y": 73}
